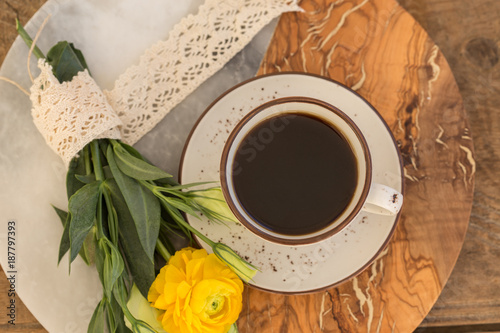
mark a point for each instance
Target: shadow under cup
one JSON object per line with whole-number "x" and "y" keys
{"x": 295, "y": 171}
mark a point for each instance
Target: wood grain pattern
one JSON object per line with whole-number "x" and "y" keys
{"x": 377, "y": 48}
{"x": 456, "y": 26}
{"x": 469, "y": 36}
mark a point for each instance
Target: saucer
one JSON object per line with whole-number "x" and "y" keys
{"x": 306, "y": 268}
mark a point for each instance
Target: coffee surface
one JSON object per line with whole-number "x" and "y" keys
{"x": 294, "y": 174}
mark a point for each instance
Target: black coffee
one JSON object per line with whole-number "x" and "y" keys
{"x": 294, "y": 174}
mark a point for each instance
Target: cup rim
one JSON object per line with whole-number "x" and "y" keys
{"x": 313, "y": 238}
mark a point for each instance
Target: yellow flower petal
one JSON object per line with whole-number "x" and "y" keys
{"x": 198, "y": 293}
{"x": 160, "y": 303}
{"x": 194, "y": 270}
{"x": 215, "y": 268}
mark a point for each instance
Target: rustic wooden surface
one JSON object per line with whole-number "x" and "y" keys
{"x": 422, "y": 254}
{"x": 468, "y": 33}
{"x": 378, "y": 49}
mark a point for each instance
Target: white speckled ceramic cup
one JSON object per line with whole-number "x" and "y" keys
{"x": 371, "y": 197}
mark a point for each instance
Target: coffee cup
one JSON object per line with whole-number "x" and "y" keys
{"x": 298, "y": 170}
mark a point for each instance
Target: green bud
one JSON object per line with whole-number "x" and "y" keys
{"x": 212, "y": 203}
{"x": 241, "y": 267}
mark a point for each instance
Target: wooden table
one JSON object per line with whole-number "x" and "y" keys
{"x": 417, "y": 264}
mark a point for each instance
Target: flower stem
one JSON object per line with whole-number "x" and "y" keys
{"x": 182, "y": 222}
{"x": 27, "y": 39}
{"x": 112, "y": 217}
{"x": 162, "y": 250}
{"x": 149, "y": 186}
{"x": 86, "y": 157}
{"x": 96, "y": 160}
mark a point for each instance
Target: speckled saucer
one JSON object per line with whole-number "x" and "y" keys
{"x": 307, "y": 268}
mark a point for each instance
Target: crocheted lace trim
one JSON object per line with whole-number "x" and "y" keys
{"x": 72, "y": 114}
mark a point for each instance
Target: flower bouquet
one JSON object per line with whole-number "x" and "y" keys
{"x": 122, "y": 215}
{"x": 125, "y": 215}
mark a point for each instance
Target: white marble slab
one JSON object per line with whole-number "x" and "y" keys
{"x": 112, "y": 35}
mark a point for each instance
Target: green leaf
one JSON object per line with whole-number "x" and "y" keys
{"x": 79, "y": 56}
{"x": 98, "y": 320}
{"x": 99, "y": 262}
{"x": 142, "y": 204}
{"x": 112, "y": 266}
{"x": 86, "y": 179}
{"x": 183, "y": 187}
{"x": 120, "y": 293}
{"x": 64, "y": 244}
{"x": 166, "y": 182}
{"x": 66, "y": 61}
{"x": 87, "y": 248}
{"x": 135, "y": 167}
{"x": 132, "y": 151}
{"x": 112, "y": 220}
{"x": 110, "y": 316}
{"x": 115, "y": 314}
{"x": 76, "y": 167}
{"x": 141, "y": 267}
{"x": 107, "y": 172}
{"x": 82, "y": 208}
{"x": 63, "y": 215}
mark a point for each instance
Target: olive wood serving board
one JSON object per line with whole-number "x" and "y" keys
{"x": 379, "y": 50}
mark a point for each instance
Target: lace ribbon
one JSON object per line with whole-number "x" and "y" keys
{"x": 72, "y": 114}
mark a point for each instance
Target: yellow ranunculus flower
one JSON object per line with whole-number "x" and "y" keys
{"x": 197, "y": 292}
